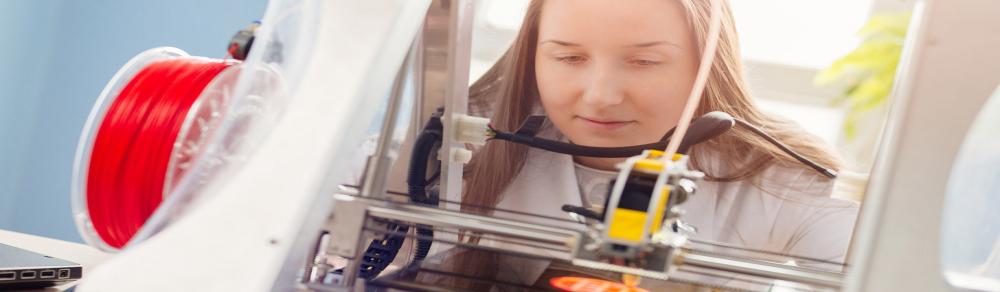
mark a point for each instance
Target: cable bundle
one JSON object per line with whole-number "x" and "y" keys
{"x": 134, "y": 142}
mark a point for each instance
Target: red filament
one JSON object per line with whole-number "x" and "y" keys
{"x": 128, "y": 162}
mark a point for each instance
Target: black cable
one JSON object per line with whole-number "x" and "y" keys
{"x": 482, "y": 236}
{"x": 467, "y": 245}
{"x": 830, "y": 173}
{"x": 481, "y": 207}
{"x": 417, "y": 182}
{"x": 434, "y": 177}
{"x": 701, "y": 129}
{"x": 588, "y": 213}
{"x": 416, "y": 178}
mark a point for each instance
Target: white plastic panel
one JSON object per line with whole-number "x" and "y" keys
{"x": 950, "y": 67}
{"x": 334, "y": 57}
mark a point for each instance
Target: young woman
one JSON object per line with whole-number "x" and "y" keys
{"x": 618, "y": 73}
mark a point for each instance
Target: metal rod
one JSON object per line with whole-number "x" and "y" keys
{"x": 374, "y": 181}
{"x": 743, "y": 279}
{"x": 443, "y": 231}
{"x": 759, "y": 268}
{"x": 353, "y": 191}
{"x": 416, "y": 286}
{"x": 420, "y": 113}
{"x": 456, "y": 94}
{"x": 446, "y": 218}
{"x": 797, "y": 258}
{"x": 521, "y": 254}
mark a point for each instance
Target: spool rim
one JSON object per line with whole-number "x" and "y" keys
{"x": 81, "y": 161}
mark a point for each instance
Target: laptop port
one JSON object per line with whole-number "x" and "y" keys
{"x": 4, "y": 276}
{"x": 47, "y": 274}
{"x": 28, "y": 275}
{"x": 63, "y": 273}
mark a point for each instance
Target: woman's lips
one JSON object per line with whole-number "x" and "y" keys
{"x": 604, "y": 124}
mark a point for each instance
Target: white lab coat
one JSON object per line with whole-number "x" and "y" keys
{"x": 794, "y": 216}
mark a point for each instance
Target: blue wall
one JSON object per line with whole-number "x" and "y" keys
{"x": 55, "y": 57}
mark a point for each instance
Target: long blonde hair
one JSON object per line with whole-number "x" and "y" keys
{"x": 508, "y": 92}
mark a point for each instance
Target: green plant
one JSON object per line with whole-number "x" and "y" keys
{"x": 868, "y": 71}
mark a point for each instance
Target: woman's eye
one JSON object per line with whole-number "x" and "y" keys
{"x": 645, "y": 63}
{"x": 572, "y": 60}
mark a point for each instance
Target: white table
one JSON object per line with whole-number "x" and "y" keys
{"x": 86, "y": 256}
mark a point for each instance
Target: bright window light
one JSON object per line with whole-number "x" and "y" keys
{"x": 804, "y": 33}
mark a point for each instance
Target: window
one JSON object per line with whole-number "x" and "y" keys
{"x": 805, "y": 33}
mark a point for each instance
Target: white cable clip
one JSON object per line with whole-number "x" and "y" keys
{"x": 469, "y": 129}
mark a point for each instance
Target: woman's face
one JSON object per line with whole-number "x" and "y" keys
{"x": 614, "y": 73}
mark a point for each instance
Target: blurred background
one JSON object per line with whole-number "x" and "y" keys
{"x": 825, "y": 64}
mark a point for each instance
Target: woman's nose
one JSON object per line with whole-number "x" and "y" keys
{"x": 603, "y": 89}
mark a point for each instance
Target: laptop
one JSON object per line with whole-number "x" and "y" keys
{"x": 20, "y": 268}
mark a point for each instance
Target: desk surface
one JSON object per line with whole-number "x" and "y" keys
{"x": 86, "y": 256}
